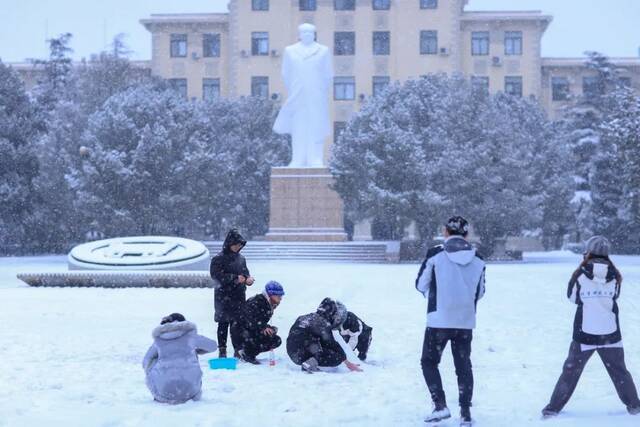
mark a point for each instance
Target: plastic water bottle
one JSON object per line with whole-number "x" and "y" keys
{"x": 272, "y": 359}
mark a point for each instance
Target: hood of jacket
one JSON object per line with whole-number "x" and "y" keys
{"x": 458, "y": 250}
{"x": 233, "y": 238}
{"x": 333, "y": 312}
{"x": 599, "y": 270}
{"x": 173, "y": 330}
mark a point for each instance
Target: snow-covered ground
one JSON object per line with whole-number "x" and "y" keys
{"x": 71, "y": 357}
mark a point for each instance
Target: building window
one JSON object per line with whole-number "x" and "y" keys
{"x": 344, "y": 4}
{"x": 180, "y": 86}
{"x": 381, "y": 4}
{"x": 480, "y": 84}
{"x": 210, "y": 45}
{"x": 428, "y": 42}
{"x": 178, "y": 45}
{"x": 260, "y": 43}
{"x": 308, "y": 5}
{"x": 210, "y": 89}
{"x": 381, "y": 42}
{"x": 344, "y": 88}
{"x": 428, "y": 4}
{"x": 260, "y": 4}
{"x": 513, "y": 85}
{"x": 260, "y": 86}
{"x": 592, "y": 87}
{"x": 480, "y": 43}
{"x": 560, "y": 88}
{"x": 379, "y": 84}
{"x": 513, "y": 43}
{"x": 344, "y": 43}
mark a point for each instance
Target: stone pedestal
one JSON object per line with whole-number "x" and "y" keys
{"x": 303, "y": 207}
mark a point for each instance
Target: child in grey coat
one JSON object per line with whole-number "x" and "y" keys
{"x": 173, "y": 374}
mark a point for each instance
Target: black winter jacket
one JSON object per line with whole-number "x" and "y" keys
{"x": 225, "y": 269}
{"x": 254, "y": 315}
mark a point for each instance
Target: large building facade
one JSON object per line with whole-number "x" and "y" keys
{"x": 374, "y": 42}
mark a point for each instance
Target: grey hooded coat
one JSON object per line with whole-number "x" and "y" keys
{"x": 452, "y": 280}
{"x": 171, "y": 363}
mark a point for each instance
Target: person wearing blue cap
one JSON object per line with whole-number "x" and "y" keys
{"x": 251, "y": 328}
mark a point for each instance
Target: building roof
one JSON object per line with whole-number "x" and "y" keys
{"x": 185, "y": 18}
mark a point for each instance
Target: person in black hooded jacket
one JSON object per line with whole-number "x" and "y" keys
{"x": 311, "y": 343}
{"x": 231, "y": 278}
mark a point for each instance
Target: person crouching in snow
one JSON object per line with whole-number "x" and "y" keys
{"x": 231, "y": 277}
{"x": 251, "y": 329}
{"x": 357, "y": 334}
{"x": 595, "y": 288}
{"x": 311, "y": 343}
{"x": 171, "y": 363}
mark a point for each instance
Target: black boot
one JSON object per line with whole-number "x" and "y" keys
{"x": 549, "y": 412}
{"x": 465, "y": 416}
{"x": 222, "y": 352}
{"x": 248, "y": 359}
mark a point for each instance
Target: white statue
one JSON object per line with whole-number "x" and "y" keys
{"x": 307, "y": 72}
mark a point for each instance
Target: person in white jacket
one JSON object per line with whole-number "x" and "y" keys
{"x": 451, "y": 278}
{"x": 595, "y": 288}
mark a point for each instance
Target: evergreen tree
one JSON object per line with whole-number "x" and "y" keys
{"x": 617, "y": 173}
{"x": 435, "y": 147}
{"x": 19, "y": 129}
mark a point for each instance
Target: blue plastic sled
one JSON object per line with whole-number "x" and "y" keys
{"x": 224, "y": 363}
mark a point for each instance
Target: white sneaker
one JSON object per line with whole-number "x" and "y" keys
{"x": 438, "y": 415}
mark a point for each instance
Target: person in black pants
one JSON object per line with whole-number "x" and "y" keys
{"x": 451, "y": 279}
{"x": 595, "y": 288}
{"x": 231, "y": 278}
{"x": 251, "y": 329}
{"x": 311, "y": 344}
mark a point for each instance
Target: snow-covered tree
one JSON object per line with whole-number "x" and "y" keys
{"x": 129, "y": 181}
{"x": 234, "y": 149}
{"x": 435, "y": 147}
{"x": 19, "y": 129}
{"x": 582, "y": 122}
{"x": 616, "y": 178}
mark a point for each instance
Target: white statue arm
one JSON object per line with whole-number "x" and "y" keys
{"x": 287, "y": 68}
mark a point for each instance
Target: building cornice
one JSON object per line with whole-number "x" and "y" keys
{"x": 507, "y": 16}
{"x": 582, "y": 62}
{"x": 184, "y": 19}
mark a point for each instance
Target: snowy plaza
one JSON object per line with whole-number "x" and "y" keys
{"x": 72, "y": 356}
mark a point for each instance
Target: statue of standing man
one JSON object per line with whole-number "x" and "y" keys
{"x": 307, "y": 72}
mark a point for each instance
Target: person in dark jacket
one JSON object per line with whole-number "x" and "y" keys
{"x": 451, "y": 279}
{"x": 173, "y": 373}
{"x": 356, "y": 334}
{"x": 311, "y": 343}
{"x": 251, "y": 329}
{"x": 595, "y": 288}
{"x": 231, "y": 278}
